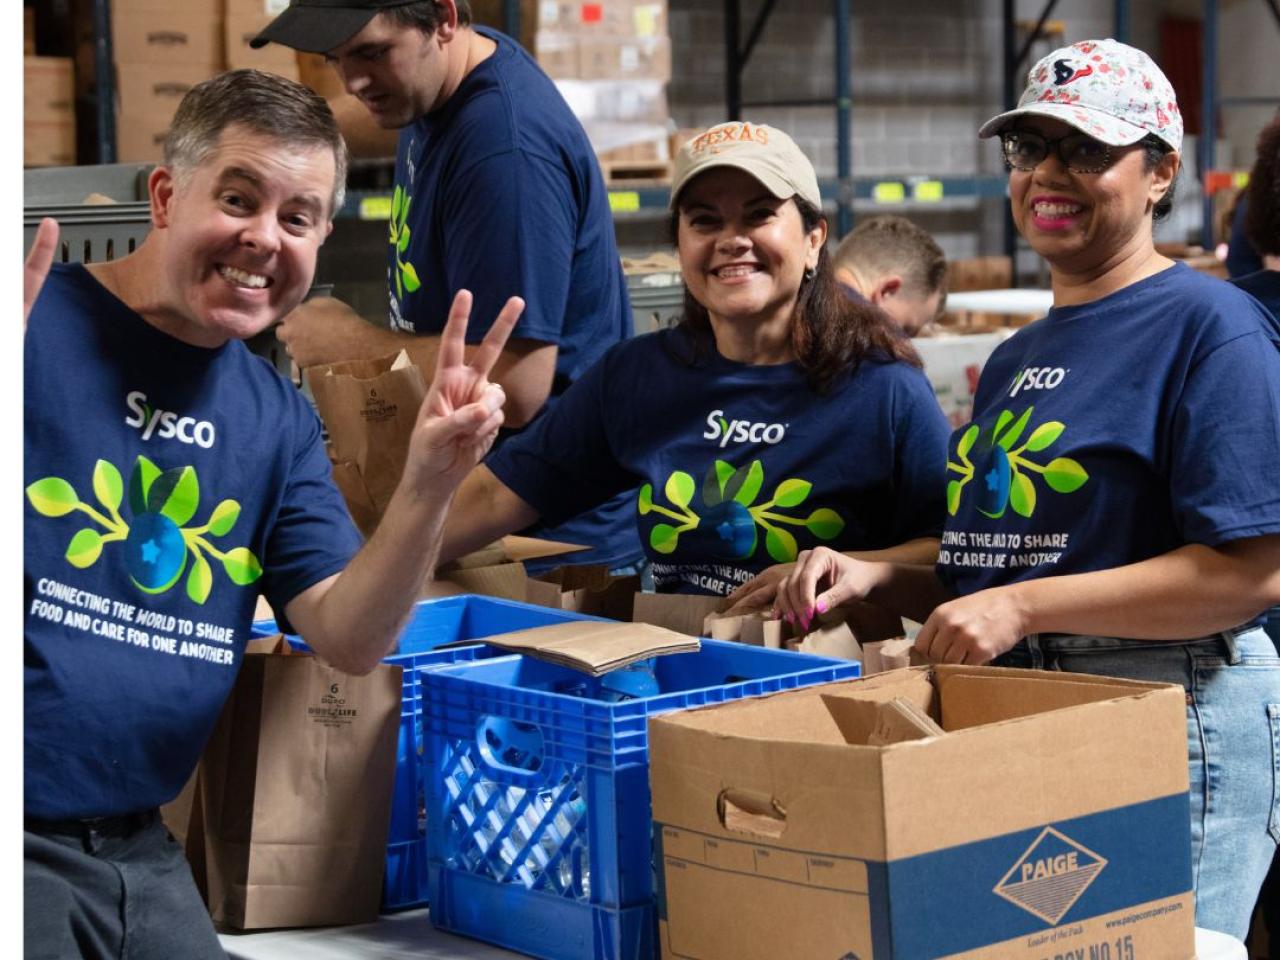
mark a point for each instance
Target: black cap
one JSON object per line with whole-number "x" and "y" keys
{"x": 318, "y": 26}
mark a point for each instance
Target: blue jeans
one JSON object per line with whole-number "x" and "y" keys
{"x": 1233, "y": 744}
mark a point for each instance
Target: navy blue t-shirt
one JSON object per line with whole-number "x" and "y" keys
{"x": 1116, "y": 431}
{"x": 166, "y": 485}
{"x": 499, "y": 192}
{"x": 740, "y": 466}
{"x": 1264, "y": 286}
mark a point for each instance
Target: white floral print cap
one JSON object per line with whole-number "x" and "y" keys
{"x": 1111, "y": 91}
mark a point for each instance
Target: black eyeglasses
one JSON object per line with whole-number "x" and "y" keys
{"x": 1079, "y": 152}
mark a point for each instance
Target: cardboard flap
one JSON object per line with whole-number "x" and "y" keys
{"x": 520, "y": 549}
{"x": 757, "y": 628}
{"x": 856, "y": 707}
{"x": 595, "y": 647}
{"x": 363, "y": 369}
{"x": 900, "y": 720}
{"x": 831, "y": 640}
{"x": 276, "y": 644}
{"x": 971, "y": 701}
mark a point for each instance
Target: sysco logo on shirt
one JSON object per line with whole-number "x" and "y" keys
{"x": 741, "y": 431}
{"x": 1036, "y": 378}
{"x": 164, "y": 424}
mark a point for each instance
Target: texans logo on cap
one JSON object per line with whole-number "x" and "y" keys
{"x": 1064, "y": 72}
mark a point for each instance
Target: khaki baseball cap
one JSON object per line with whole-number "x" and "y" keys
{"x": 765, "y": 152}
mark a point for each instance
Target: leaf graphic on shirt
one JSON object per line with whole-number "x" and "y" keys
{"x": 1011, "y": 435}
{"x": 953, "y": 496}
{"x": 680, "y": 488}
{"x": 825, "y": 524}
{"x": 781, "y": 545}
{"x": 752, "y": 481}
{"x": 644, "y": 502}
{"x": 140, "y": 481}
{"x": 223, "y": 518}
{"x": 1065, "y": 475}
{"x": 792, "y": 493}
{"x": 52, "y": 497}
{"x": 1044, "y": 435}
{"x": 242, "y": 566}
{"x": 108, "y": 487}
{"x": 85, "y": 548}
{"x": 199, "y": 580}
{"x": 664, "y": 538}
{"x": 1022, "y": 495}
{"x": 176, "y": 494}
{"x": 411, "y": 281}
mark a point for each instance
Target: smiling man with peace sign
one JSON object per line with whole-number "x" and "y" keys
{"x": 170, "y": 478}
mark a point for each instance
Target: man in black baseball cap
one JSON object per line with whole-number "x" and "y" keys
{"x": 497, "y": 189}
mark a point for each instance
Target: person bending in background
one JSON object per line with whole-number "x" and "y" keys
{"x": 897, "y": 266}
{"x": 129, "y": 523}
{"x": 1135, "y": 471}
{"x": 777, "y": 415}
{"x": 497, "y": 190}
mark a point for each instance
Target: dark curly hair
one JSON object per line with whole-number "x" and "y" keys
{"x": 831, "y": 333}
{"x": 1262, "y": 217}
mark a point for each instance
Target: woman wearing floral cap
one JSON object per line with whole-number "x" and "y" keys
{"x": 776, "y": 416}
{"x": 1113, "y": 507}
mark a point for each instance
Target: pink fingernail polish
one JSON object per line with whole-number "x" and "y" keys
{"x": 822, "y": 606}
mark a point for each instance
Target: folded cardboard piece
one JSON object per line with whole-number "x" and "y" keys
{"x": 595, "y": 646}
{"x": 496, "y": 570}
{"x": 1050, "y": 816}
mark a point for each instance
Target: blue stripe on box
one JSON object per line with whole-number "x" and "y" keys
{"x": 946, "y": 902}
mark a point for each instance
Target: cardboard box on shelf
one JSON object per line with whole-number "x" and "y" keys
{"x": 621, "y": 101}
{"x": 239, "y": 29}
{"x": 615, "y": 18}
{"x": 156, "y": 89}
{"x": 493, "y": 13}
{"x": 313, "y": 72}
{"x": 140, "y": 138}
{"x": 268, "y": 9}
{"x": 979, "y": 273}
{"x": 559, "y": 55}
{"x": 48, "y": 89}
{"x": 1051, "y": 817}
{"x": 186, "y": 33}
{"x": 635, "y": 58}
{"x": 50, "y": 144}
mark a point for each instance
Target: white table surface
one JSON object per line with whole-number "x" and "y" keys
{"x": 1017, "y": 300}
{"x": 410, "y": 936}
{"x": 396, "y": 936}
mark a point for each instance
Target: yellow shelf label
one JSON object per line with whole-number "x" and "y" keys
{"x": 889, "y": 192}
{"x": 929, "y": 191}
{"x": 375, "y": 208}
{"x": 624, "y": 201}
{"x": 1240, "y": 179}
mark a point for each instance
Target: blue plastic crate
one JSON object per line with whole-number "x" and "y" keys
{"x": 537, "y": 787}
{"x": 434, "y": 622}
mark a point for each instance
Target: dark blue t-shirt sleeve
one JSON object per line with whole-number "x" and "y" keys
{"x": 510, "y": 225}
{"x": 564, "y": 463}
{"x": 1225, "y": 444}
{"x": 313, "y": 536}
{"x": 922, "y": 435}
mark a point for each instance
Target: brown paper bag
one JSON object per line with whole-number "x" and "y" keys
{"x": 369, "y": 408}
{"x": 682, "y": 612}
{"x": 584, "y": 589}
{"x": 296, "y": 788}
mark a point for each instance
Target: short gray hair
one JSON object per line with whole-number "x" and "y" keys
{"x": 262, "y": 103}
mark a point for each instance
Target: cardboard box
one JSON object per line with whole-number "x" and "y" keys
{"x": 270, "y": 9}
{"x": 611, "y": 58}
{"x": 48, "y": 89}
{"x": 239, "y": 29}
{"x": 155, "y": 89}
{"x": 558, "y": 56}
{"x": 186, "y": 33}
{"x": 313, "y": 72}
{"x": 48, "y": 144}
{"x": 28, "y": 31}
{"x": 615, "y": 18}
{"x": 495, "y": 571}
{"x": 1051, "y": 819}
{"x": 140, "y": 138}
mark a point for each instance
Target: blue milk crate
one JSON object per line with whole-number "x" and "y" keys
{"x": 537, "y": 780}
{"x": 434, "y": 622}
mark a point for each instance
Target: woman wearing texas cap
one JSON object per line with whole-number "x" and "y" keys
{"x": 776, "y": 416}
{"x": 1113, "y": 508}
